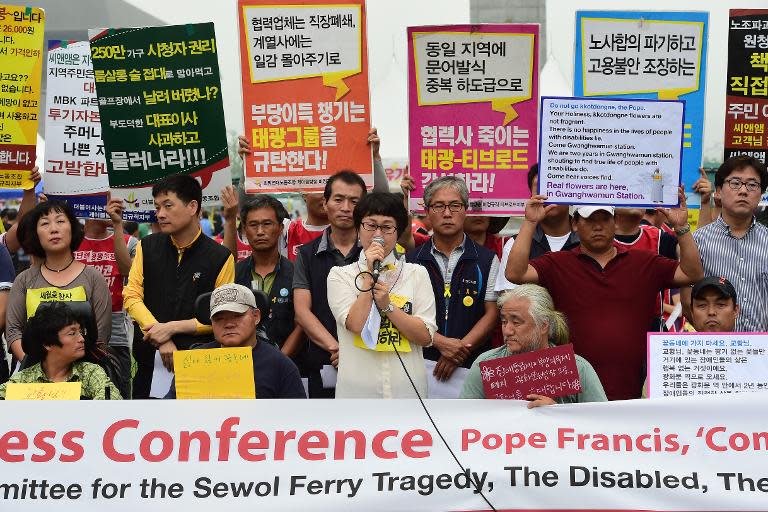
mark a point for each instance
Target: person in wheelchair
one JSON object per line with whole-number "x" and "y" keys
{"x": 59, "y": 348}
{"x": 235, "y": 315}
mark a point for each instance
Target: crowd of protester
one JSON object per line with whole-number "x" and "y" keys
{"x": 361, "y": 299}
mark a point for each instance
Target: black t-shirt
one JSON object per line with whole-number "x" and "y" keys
{"x": 274, "y": 374}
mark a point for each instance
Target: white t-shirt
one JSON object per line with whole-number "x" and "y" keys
{"x": 555, "y": 243}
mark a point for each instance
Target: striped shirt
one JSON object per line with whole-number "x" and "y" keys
{"x": 744, "y": 262}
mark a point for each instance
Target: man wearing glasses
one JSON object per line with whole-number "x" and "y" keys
{"x": 463, "y": 275}
{"x": 734, "y": 245}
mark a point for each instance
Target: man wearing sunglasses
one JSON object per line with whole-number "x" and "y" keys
{"x": 734, "y": 245}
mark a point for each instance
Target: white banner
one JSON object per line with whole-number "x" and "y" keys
{"x": 75, "y": 169}
{"x": 706, "y": 363}
{"x": 692, "y": 454}
{"x": 616, "y": 152}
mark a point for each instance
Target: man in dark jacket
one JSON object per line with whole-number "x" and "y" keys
{"x": 261, "y": 218}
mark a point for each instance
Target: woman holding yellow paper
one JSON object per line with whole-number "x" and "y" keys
{"x": 384, "y": 308}
{"x": 57, "y": 351}
{"x": 51, "y": 233}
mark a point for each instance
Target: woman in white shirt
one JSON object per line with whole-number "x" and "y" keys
{"x": 399, "y": 314}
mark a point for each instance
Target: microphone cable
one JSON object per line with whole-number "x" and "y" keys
{"x": 426, "y": 411}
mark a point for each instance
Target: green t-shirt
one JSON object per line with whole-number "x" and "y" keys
{"x": 591, "y": 388}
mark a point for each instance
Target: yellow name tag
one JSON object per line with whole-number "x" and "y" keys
{"x": 214, "y": 373}
{"x": 389, "y": 335}
{"x": 43, "y": 391}
{"x": 35, "y": 296}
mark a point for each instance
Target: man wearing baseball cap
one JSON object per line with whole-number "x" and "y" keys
{"x": 607, "y": 292}
{"x": 713, "y": 305}
{"x": 235, "y": 317}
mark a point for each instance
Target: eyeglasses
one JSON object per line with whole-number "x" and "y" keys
{"x": 387, "y": 229}
{"x": 453, "y": 207}
{"x": 736, "y": 184}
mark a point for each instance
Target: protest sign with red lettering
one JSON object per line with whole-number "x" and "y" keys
{"x": 21, "y": 64}
{"x": 473, "y": 103}
{"x": 305, "y": 93}
{"x": 75, "y": 167}
{"x": 746, "y": 100}
{"x": 551, "y": 372}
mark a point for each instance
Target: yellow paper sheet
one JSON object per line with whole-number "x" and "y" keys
{"x": 43, "y": 391}
{"x": 214, "y": 373}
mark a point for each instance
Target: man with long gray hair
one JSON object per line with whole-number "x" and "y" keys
{"x": 529, "y": 322}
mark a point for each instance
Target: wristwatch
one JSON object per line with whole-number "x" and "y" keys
{"x": 390, "y": 308}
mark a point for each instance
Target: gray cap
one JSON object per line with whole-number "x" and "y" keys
{"x": 232, "y": 297}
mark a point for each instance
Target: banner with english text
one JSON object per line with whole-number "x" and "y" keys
{"x": 669, "y": 454}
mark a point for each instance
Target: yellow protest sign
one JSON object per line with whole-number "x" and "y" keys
{"x": 43, "y": 391}
{"x": 214, "y": 373}
{"x": 21, "y": 64}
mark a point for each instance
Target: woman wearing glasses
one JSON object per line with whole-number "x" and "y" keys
{"x": 59, "y": 351}
{"x": 384, "y": 308}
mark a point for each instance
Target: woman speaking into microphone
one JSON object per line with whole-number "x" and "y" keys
{"x": 384, "y": 308}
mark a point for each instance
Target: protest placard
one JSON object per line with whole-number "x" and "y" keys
{"x": 43, "y": 391}
{"x": 551, "y": 372}
{"x": 670, "y": 454}
{"x": 472, "y": 96}
{"x": 614, "y": 152}
{"x": 306, "y": 106}
{"x": 161, "y": 111}
{"x": 706, "y": 363}
{"x": 649, "y": 55}
{"x": 746, "y": 100}
{"x": 214, "y": 373}
{"x": 21, "y": 64}
{"x": 75, "y": 170}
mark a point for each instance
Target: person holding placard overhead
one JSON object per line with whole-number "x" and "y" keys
{"x": 607, "y": 292}
{"x": 58, "y": 351}
{"x": 235, "y": 317}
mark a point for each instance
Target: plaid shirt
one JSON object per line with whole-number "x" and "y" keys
{"x": 93, "y": 377}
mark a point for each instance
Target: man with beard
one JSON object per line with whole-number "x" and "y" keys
{"x": 529, "y": 322}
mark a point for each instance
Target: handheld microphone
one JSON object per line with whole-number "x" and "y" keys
{"x": 377, "y": 263}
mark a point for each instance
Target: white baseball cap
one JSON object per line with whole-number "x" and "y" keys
{"x": 232, "y": 297}
{"x": 586, "y": 211}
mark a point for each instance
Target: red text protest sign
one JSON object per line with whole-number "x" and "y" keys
{"x": 551, "y": 372}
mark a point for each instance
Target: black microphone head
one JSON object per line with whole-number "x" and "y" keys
{"x": 378, "y": 240}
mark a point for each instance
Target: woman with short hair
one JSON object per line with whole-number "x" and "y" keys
{"x": 59, "y": 351}
{"x": 381, "y": 308}
{"x": 51, "y": 233}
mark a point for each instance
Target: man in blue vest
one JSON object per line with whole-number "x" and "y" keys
{"x": 266, "y": 270}
{"x": 338, "y": 246}
{"x": 463, "y": 274}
